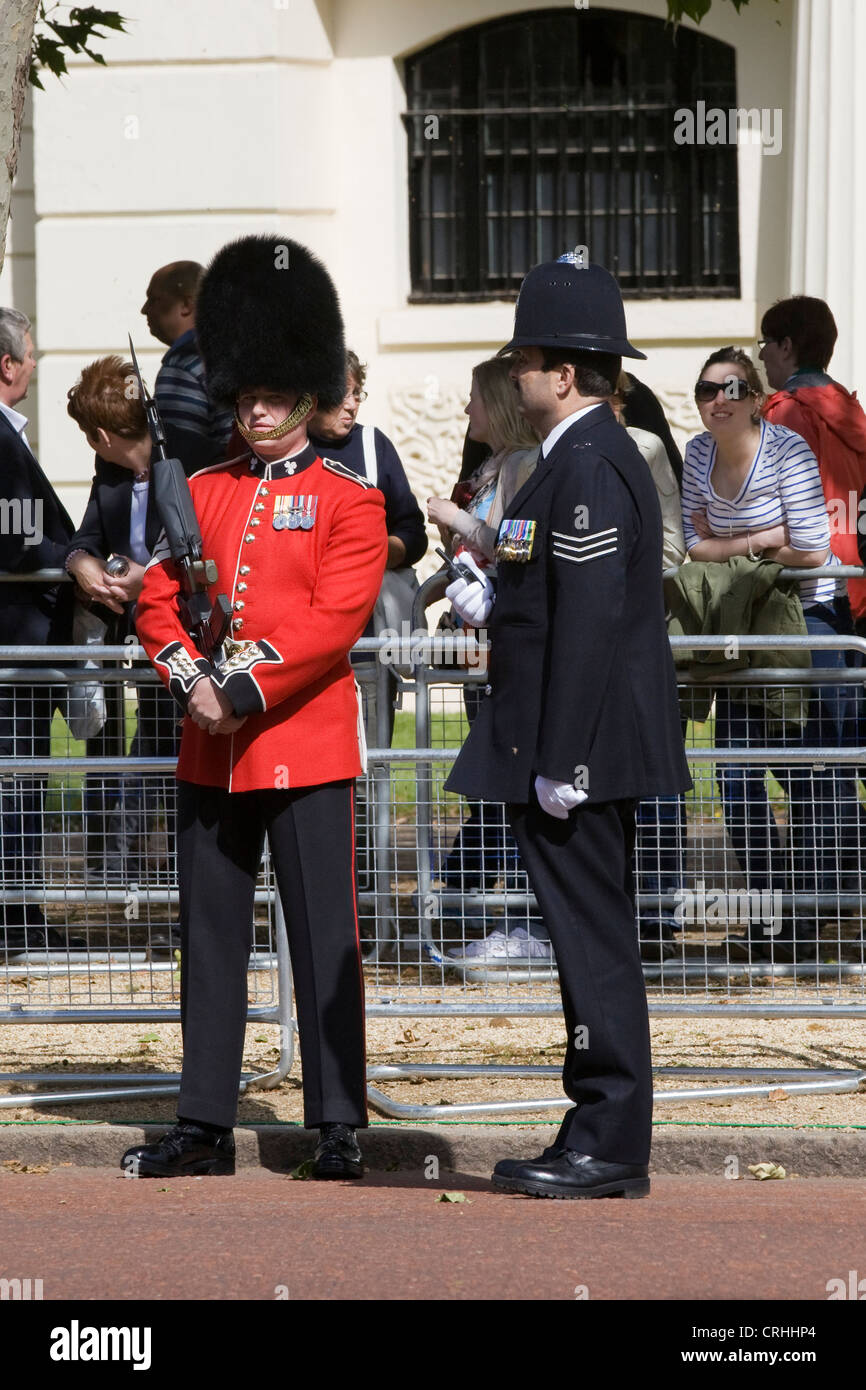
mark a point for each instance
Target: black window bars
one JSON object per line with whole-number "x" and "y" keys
{"x": 532, "y": 134}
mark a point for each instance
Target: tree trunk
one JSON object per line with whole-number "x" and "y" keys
{"x": 17, "y": 18}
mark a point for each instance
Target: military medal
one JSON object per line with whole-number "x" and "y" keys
{"x": 515, "y": 540}
{"x": 294, "y": 513}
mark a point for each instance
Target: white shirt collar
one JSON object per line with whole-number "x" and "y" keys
{"x": 18, "y": 421}
{"x": 563, "y": 425}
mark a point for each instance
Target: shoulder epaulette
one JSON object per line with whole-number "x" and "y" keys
{"x": 342, "y": 471}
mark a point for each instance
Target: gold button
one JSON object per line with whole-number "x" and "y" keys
{"x": 245, "y": 569}
{"x": 264, "y": 492}
{"x": 242, "y": 589}
{"x": 237, "y": 622}
{"x": 238, "y": 605}
{"x": 248, "y": 538}
{"x": 259, "y": 507}
{"x": 255, "y": 521}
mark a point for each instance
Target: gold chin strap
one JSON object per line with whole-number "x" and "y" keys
{"x": 301, "y": 410}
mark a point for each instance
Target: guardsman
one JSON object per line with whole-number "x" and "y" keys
{"x": 581, "y": 716}
{"x": 272, "y": 740}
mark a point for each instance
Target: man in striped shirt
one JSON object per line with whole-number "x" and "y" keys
{"x": 180, "y": 389}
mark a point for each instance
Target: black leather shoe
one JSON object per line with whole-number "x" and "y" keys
{"x": 573, "y": 1174}
{"x": 185, "y": 1151}
{"x": 506, "y": 1167}
{"x": 337, "y": 1154}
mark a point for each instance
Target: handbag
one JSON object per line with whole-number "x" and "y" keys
{"x": 85, "y": 700}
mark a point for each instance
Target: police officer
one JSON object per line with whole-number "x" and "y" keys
{"x": 581, "y": 718}
{"x": 271, "y": 741}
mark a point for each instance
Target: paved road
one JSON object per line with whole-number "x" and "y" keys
{"x": 260, "y": 1235}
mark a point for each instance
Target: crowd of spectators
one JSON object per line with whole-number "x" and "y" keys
{"x": 768, "y": 482}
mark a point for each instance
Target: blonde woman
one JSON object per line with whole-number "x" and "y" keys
{"x": 470, "y": 521}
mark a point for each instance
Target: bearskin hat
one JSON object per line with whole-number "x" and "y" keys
{"x": 267, "y": 315}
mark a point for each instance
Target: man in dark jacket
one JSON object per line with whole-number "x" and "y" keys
{"x": 34, "y": 532}
{"x": 581, "y": 718}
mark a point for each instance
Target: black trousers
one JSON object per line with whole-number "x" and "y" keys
{"x": 220, "y": 842}
{"x": 581, "y": 872}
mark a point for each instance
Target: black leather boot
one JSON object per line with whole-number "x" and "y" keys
{"x": 337, "y": 1154}
{"x": 187, "y": 1150}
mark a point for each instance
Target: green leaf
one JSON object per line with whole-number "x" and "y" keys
{"x": 90, "y": 15}
{"x": 149, "y": 1037}
{"x": 687, "y": 9}
{"x": 452, "y": 1197}
{"x": 303, "y": 1171}
{"x": 84, "y": 24}
{"x": 49, "y": 54}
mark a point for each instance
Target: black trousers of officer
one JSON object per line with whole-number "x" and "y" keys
{"x": 220, "y": 842}
{"x": 581, "y": 873}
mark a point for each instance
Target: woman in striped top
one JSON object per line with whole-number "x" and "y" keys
{"x": 753, "y": 488}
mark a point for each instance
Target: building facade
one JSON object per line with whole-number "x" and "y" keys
{"x": 429, "y": 155}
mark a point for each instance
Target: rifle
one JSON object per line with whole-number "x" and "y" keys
{"x": 207, "y": 622}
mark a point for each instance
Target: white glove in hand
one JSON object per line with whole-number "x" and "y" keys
{"x": 473, "y": 602}
{"x": 558, "y": 798}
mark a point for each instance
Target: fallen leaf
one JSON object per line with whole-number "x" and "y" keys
{"x": 452, "y": 1197}
{"x": 778, "y": 1094}
{"x": 149, "y": 1037}
{"x": 767, "y": 1170}
{"x": 409, "y": 1036}
{"x": 303, "y": 1171}
{"x": 499, "y": 1020}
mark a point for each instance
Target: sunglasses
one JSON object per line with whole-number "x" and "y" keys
{"x": 736, "y": 388}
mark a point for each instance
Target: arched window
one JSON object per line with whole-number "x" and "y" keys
{"x": 532, "y": 134}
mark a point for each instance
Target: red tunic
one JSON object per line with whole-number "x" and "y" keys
{"x": 302, "y": 592}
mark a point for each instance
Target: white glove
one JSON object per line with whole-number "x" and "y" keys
{"x": 558, "y": 798}
{"x": 473, "y": 602}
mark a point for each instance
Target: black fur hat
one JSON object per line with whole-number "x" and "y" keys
{"x": 267, "y": 315}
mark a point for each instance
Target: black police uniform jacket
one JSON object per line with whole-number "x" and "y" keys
{"x": 582, "y": 686}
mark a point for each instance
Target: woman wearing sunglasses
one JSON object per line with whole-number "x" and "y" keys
{"x": 752, "y": 488}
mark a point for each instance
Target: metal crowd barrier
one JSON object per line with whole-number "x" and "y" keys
{"x": 425, "y": 911}
{"x": 433, "y": 966}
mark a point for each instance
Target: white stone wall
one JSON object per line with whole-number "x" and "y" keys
{"x": 215, "y": 118}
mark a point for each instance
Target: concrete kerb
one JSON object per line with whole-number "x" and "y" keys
{"x": 459, "y": 1149}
